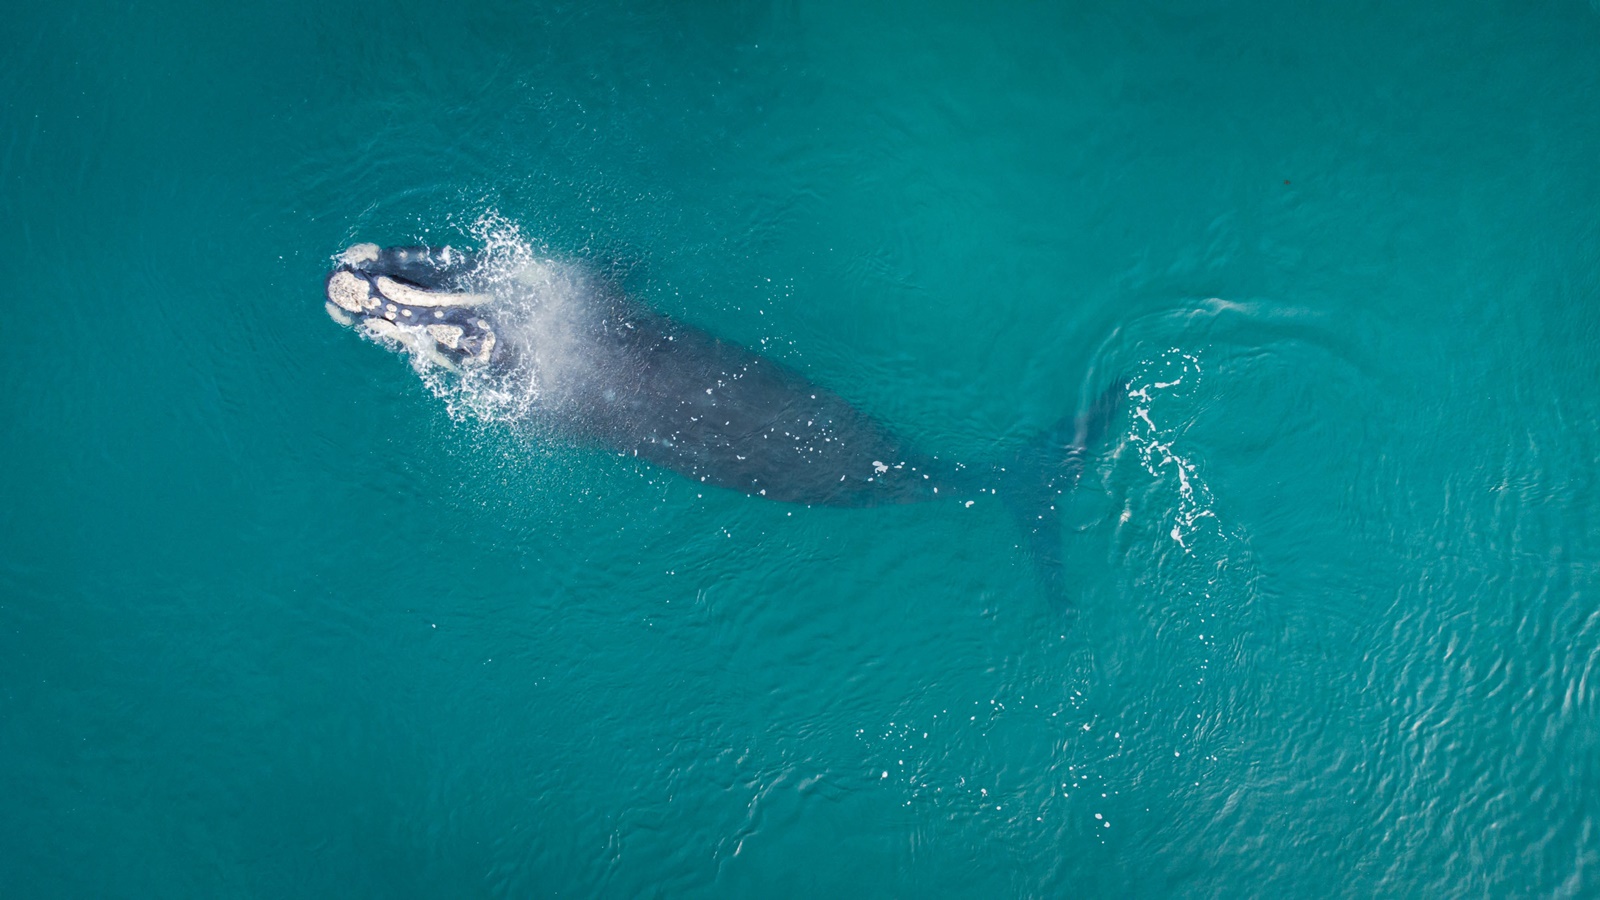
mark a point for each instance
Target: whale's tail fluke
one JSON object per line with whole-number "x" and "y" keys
{"x": 1049, "y": 468}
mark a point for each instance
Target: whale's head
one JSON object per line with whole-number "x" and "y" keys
{"x": 417, "y": 300}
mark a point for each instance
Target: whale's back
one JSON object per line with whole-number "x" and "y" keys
{"x": 721, "y": 414}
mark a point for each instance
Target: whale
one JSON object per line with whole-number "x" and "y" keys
{"x": 571, "y": 355}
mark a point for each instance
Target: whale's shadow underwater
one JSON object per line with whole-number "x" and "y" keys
{"x": 576, "y": 356}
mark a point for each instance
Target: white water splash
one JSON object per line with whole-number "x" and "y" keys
{"x": 1175, "y": 375}
{"x": 504, "y": 250}
{"x": 531, "y": 309}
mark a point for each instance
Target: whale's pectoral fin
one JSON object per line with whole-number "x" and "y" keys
{"x": 1047, "y": 470}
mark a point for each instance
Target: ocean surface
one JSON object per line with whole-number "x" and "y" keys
{"x": 276, "y": 620}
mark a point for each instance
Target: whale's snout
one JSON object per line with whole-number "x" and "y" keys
{"x": 413, "y": 299}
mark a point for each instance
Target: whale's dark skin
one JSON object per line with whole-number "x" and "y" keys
{"x": 614, "y": 374}
{"x": 720, "y": 414}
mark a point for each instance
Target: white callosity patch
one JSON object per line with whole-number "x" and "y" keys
{"x": 410, "y": 338}
{"x": 448, "y": 335}
{"x": 339, "y": 315}
{"x": 383, "y": 328}
{"x": 349, "y": 291}
{"x": 411, "y": 296}
{"x": 356, "y": 254}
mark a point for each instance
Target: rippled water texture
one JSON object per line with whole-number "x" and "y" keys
{"x": 277, "y": 622}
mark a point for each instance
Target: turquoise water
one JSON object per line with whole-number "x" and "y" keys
{"x": 275, "y": 622}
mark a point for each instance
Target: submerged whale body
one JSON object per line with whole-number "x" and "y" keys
{"x": 599, "y": 369}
